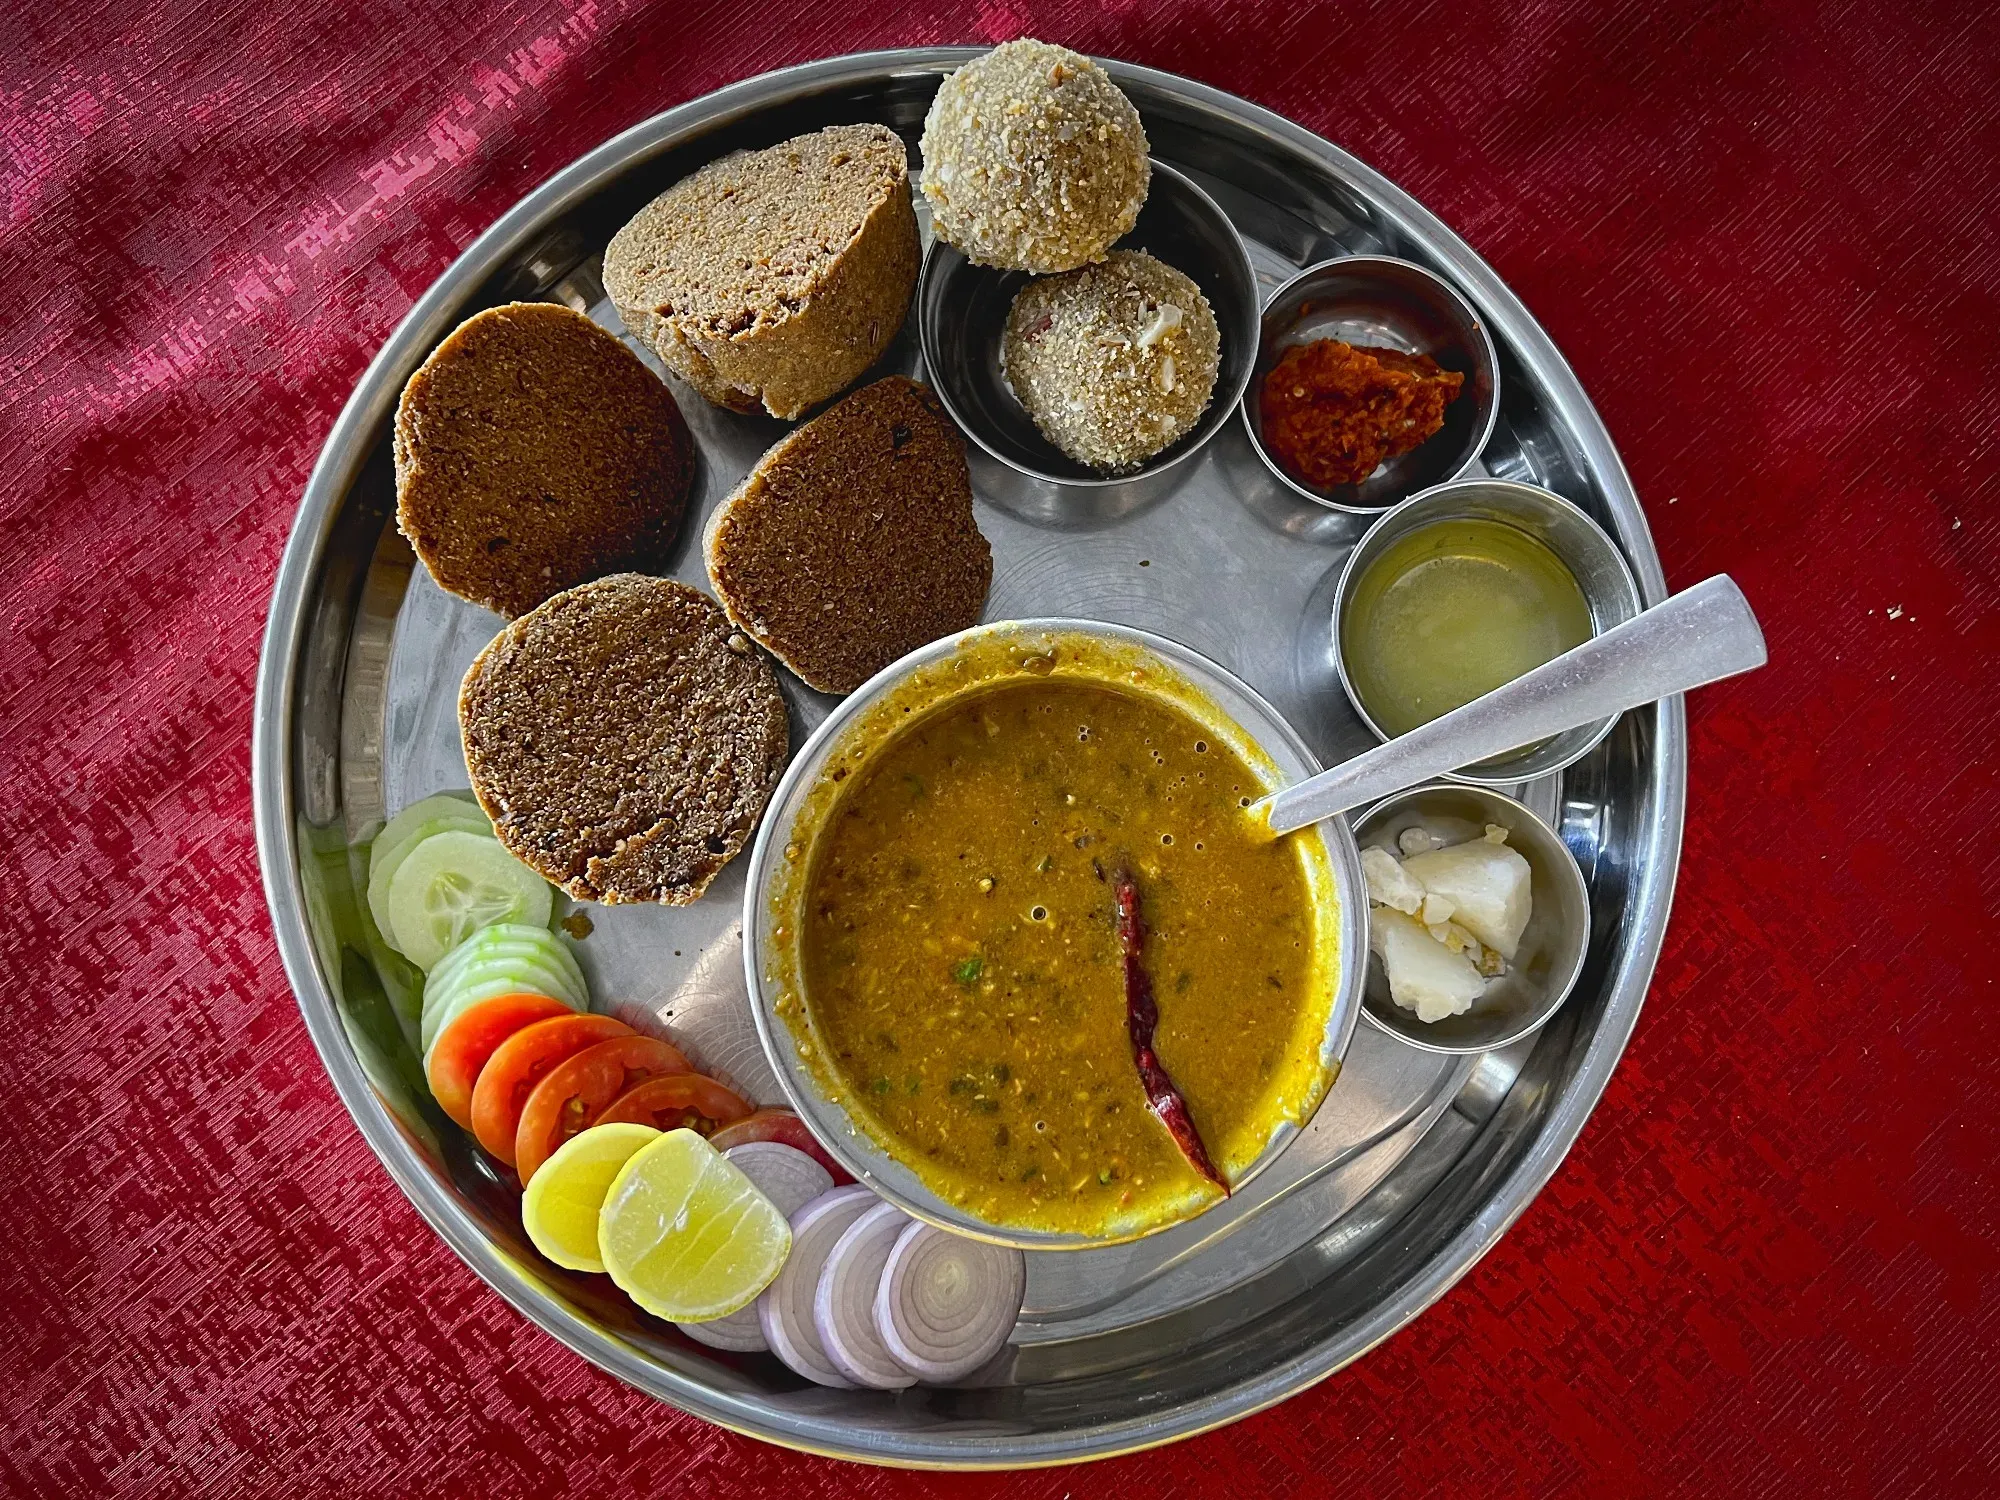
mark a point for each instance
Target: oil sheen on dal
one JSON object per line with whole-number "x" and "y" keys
{"x": 961, "y": 963}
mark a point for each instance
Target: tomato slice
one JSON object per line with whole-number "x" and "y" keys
{"x": 678, "y": 1101}
{"x": 521, "y": 1062}
{"x": 575, "y": 1089}
{"x": 463, "y": 1047}
{"x": 787, "y": 1129}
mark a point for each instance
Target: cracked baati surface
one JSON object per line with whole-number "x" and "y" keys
{"x": 534, "y": 451}
{"x": 624, "y": 738}
{"x": 774, "y": 278}
{"x": 853, "y": 541}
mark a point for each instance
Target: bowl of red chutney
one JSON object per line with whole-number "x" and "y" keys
{"x": 1374, "y": 379}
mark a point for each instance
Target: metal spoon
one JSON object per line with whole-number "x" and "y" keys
{"x": 1700, "y": 635}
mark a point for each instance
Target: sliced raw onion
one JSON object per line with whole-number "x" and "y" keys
{"x": 737, "y": 1333}
{"x": 791, "y": 1180}
{"x": 784, "y": 1174}
{"x": 785, "y": 1310}
{"x": 787, "y": 1129}
{"x": 946, "y": 1305}
{"x": 844, "y": 1303}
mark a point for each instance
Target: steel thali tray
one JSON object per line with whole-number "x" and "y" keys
{"x": 1415, "y": 1165}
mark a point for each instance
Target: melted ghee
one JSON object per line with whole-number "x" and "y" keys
{"x": 1451, "y": 611}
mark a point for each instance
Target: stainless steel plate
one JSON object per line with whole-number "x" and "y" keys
{"x": 1415, "y": 1165}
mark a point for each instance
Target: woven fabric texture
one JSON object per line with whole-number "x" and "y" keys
{"x": 1765, "y": 236}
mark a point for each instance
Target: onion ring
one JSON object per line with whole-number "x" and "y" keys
{"x": 790, "y": 1179}
{"x": 946, "y": 1304}
{"x": 844, "y": 1302}
{"x": 785, "y": 1310}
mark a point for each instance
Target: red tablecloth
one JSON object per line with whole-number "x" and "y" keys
{"x": 1766, "y": 238}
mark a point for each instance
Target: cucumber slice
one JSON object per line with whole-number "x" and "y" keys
{"x": 507, "y": 940}
{"x": 500, "y": 960}
{"x": 555, "y": 969}
{"x": 476, "y": 988}
{"x": 451, "y": 885}
{"x": 400, "y": 828}
{"x": 440, "y": 814}
{"x": 531, "y": 972}
{"x": 442, "y": 982}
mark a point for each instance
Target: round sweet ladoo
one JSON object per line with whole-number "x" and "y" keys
{"x": 1114, "y": 362}
{"x": 534, "y": 451}
{"x": 1033, "y": 159}
{"x": 624, "y": 739}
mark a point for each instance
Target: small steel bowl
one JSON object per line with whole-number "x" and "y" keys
{"x": 1584, "y": 548}
{"x": 962, "y": 313}
{"x": 1389, "y": 304}
{"x": 1546, "y": 966}
{"x": 780, "y": 870}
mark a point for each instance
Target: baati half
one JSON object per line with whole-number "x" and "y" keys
{"x": 852, "y": 541}
{"x": 624, "y": 738}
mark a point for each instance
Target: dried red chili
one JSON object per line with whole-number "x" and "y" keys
{"x": 1330, "y": 412}
{"x": 1142, "y": 1017}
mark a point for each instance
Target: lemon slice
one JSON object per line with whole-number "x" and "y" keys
{"x": 686, "y": 1234}
{"x": 560, "y": 1208}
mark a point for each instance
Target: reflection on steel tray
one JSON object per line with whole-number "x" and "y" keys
{"x": 1415, "y": 1165}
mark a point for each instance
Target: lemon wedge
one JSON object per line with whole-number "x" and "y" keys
{"x": 560, "y": 1208}
{"x": 685, "y": 1234}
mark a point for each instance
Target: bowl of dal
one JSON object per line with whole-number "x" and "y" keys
{"x": 932, "y": 948}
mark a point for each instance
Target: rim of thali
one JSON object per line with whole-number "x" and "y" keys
{"x": 348, "y": 446}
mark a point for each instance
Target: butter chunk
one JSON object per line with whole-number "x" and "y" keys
{"x": 1424, "y": 976}
{"x": 1389, "y": 884}
{"x": 1489, "y": 885}
{"x": 1418, "y": 840}
{"x": 1458, "y": 940}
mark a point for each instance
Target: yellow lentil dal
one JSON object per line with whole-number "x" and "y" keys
{"x": 960, "y": 963}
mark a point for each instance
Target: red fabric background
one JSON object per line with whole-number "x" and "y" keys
{"x": 1765, "y": 236}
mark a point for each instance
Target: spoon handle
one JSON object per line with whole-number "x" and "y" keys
{"x": 1700, "y": 635}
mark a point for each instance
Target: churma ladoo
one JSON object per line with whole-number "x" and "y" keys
{"x": 852, "y": 541}
{"x": 534, "y": 451}
{"x": 1033, "y": 159}
{"x": 774, "y": 278}
{"x": 624, "y": 739}
{"x": 1114, "y": 362}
